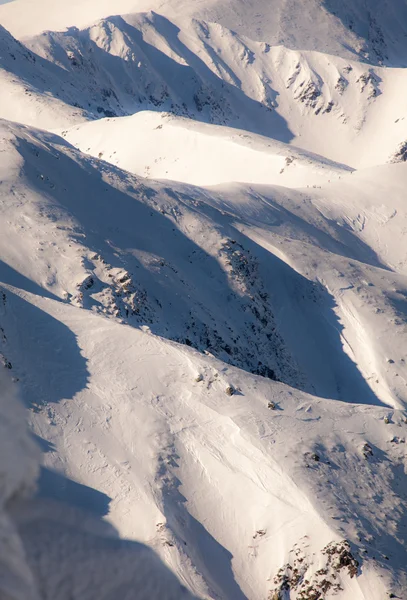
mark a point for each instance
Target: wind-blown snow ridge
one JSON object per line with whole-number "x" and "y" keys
{"x": 163, "y": 146}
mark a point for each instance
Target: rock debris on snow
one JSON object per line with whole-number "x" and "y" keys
{"x": 195, "y": 194}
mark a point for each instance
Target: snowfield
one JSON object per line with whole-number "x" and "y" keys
{"x": 203, "y": 300}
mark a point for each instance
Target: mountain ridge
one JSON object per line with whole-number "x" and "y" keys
{"x": 203, "y": 300}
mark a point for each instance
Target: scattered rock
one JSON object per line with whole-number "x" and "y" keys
{"x": 309, "y": 94}
{"x": 369, "y": 82}
{"x": 341, "y": 84}
{"x": 400, "y": 155}
{"x": 259, "y": 533}
{"x": 5, "y": 362}
{"x": 86, "y": 284}
{"x": 397, "y": 440}
{"x": 297, "y": 579}
{"x": 367, "y": 450}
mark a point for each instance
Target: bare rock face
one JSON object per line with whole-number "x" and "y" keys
{"x": 400, "y": 155}
{"x": 295, "y": 579}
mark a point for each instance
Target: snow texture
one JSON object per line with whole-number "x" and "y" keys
{"x": 203, "y": 300}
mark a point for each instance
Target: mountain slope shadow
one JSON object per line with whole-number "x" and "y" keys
{"x": 212, "y": 559}
{"x": 304, "y": 310}
{"x": 261, "y": 121}
{"x": 380, "y": 27}
{"x": 313, "y": 332}
{"x": 189, "y": 296}
{"x": 171, "y": 283}
{"x": 90, "y": 78}
{"x": 56, "y": 486}
{"x": 43, "y": 351}
{"x": 74, "y": 554}
{"x": 12, "y": 277}
{"x": 339, "y": 239}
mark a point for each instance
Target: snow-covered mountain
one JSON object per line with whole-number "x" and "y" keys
{"x": 203, "y": 284}
{"x": 331, "y": 105}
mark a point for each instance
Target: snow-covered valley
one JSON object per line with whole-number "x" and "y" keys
{"x": 203, "y": 300}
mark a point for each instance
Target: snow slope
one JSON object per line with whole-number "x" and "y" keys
{"x": 19, "y": 463}
{"x": 374, "y": 31}
{"x": 94, "y": 284}
{"x": 162, "y": 146}
{"x": 203, "y": 283}
{"x": 122, "y": 568}
{"x": 326, "y": 104}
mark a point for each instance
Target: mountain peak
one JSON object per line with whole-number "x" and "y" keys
{"x": 203, "y": 299}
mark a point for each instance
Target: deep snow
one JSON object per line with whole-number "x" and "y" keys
{"x": 203, "y": 283}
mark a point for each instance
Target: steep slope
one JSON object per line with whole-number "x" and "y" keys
{"x": 373, "y": 31}
{"x": 29, "y": 87}
{"x": 218, "y": 372}
{"x": 19, "y": 465}
{"x": 325, "y": 104}
{"x": 235, "y": 236}
{"x": 32, "y": 530}
{"x": 102, "y": 268}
